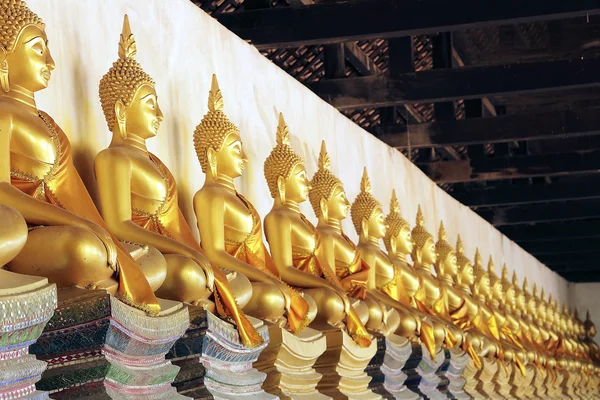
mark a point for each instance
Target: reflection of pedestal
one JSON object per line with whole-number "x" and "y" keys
{"x": 421, "y": 372}
{"x": 343, "y": 366}
{"x": 374, "y": 369}
{"x": 26, "y": 304}
{"x": 96, "y": 346}
{"x": 213, "y": 362}
{"x": 288, "y": 362}
{"x": 458, "y": 363}
{"x": 397, "y": 353}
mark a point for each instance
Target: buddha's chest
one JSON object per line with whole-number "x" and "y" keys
{"x": 344, "y": 252}
{"x": 237, "y": 218}
{"x": 409, "y": 279}
{"x": 147, "y": 179}
{"x": 302, "y": 236}
{"x": 35, "y": 147}
{"x": 431, "y": 288}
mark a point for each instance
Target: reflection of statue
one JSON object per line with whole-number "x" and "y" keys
{"x": 296, "y": 245}
{"x": 401, "y": 281}
{"x": 138, "y": 194}
{"x": 70, "y": 245}
{"x": 230, "y": 226}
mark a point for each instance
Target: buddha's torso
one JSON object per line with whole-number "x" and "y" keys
{"x": 303, "y": 236}
{"x": 238, "y": 219}
{"x": 513, "y": 322}
{"x": 345, "y": 254}
{"x": 499, "y": 315}
{"x": 408, "y": 277}
{"x": 34, "y": 147}
{"x": 148, "y": 183}
{"x": 457, "y": 299}
{"x": 430, "y": 286}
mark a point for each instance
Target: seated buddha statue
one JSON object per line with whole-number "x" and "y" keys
{"x": 431, "y": 296}
{"x": 368, "y": 220}
{"x": 401, "y": 282}
{"x": 295, "y": 244}
{"x": 138, "y": 194}
{"x": 69, "y": 242}
{"x": 520, "y": 313}
{"x": 330, "y": 204}
{"x": 590, "y": 333}
{"x": 230, "y": 227}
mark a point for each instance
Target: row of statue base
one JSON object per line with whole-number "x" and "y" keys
{"x": 95, "y": 347}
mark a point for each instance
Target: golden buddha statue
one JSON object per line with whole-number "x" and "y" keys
{"x": 13, "y": 234}
{"x": 138, "y": 195}
{"x": 401, "y": 282}
{"x": 230, "y": 226}
{"x": 296, "y": 246}
{"x": 68, "y": 242}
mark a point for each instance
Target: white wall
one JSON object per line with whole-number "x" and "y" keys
{"x": 181, "y": 46}
{"x": 586, "y": 297}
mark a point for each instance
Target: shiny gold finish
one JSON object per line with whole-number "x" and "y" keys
{"x": 296, "y": 245}
{"x": 229, "y": 225}
{"x": 138, "y": 195}
{"x": 70, "y": 244}
{"x": 13, "y": 234}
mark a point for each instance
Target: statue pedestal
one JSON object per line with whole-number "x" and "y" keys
{"x": 539, "y": 383}
{"x": 458, "y": 362}
{"x": 502, "y": 386}
{"x": 26, "y": 305}
{"x": 98, "y": 347}
{"x": 397, "y": 352}
{"x": 375, "y": 367}
{"x": 422, "y": 372}
{"x": 486, "y": 384}
{"x": 568, "y": 385}
{"x": 519, "y": 382}
{"x": 288, "y": 362}
{"x": 343, "y": 366}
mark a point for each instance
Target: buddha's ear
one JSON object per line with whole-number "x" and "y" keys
{"x": 211, "y": 155}
{"x": 281, "y": 188}
{"x": 4, "y": 70}
{"x": 364, "y": 227}
{"x": 324, "y": 209}
{"x": 393, "y": 244}
{"x": 120, "y": 109}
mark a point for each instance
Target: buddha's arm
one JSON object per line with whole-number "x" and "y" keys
{"x": 370, "y": 258}
{"x": 209, "y": 208}
{"x": 113, "y": 175}
{"x": 37, "y": 212}
{"x": 278, "y": 232}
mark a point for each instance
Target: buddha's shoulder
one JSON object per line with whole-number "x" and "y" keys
{"x": 114, "y": 154}
{"x": 280, "y": 215}
{"x": 212, "y": 193}
{"x": 13, "y": 112}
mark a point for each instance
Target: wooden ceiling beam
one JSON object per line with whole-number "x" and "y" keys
{"x": 439, "y": 85}
{"x": 575, "y": 246}
{"x": 349, "y": 20}
{"x": 557, "y": 260}
{"x": 512, "y": 167}
{"x": 506, "y": 128}
{"x": 553, "y": 231}
{"x": 536, "y": 213}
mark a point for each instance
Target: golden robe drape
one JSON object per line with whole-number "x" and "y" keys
{"x": 169, "y": 221}
{"x": 62, "y": 186}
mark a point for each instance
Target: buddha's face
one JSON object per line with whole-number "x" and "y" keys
{"x": 30, "y": 62}
{"x": 485, "y": 286}
{"x": 497, "y": 291}
{"x": 591, "y": 332}
{"x": 521, "y": 301}
{"x": 450, "y": 265}
{"x": 143, "y": 116}
{"x": 530, "y": 304}
{"x": 428, "y": 253}
{"x": 376, "y": 224}
{"x": 511, "y": 297}
{"x": 297, "y": 186}
{"x": 467, "y": 275}
{"x": 404, "y": 242}
{"x": 231, "y": 157}
{"x": 338, "y": 205}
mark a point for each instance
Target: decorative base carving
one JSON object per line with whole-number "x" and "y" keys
{"x": 520, "y": 384}
{"x": 96, "y": 346}
{"x": 422, "y": 372}
{"x": 397, "y": 353}
{"x": 288, "y": 362}
{"x": 374, "y": 369}
{"x": 502, "y": 381}
{"x": 26, "y": 305}
{"x": 343, "y": 366}
{"x": 486, "y": 385}
{"x": 458, "y": 363}
{"x": 539, "y": 383}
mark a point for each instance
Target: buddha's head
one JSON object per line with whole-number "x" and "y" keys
{"x": 496, "y": 289}
{"x": 25, "y": 60}
{"x": 398, "y": 238}
{"x": 509, "y": 290}
{"x": 366, "y": 212}
{"x": 217, "y": 140}
{"x": 446, "y": 264}
{"x": 550, "y": 311}
{"x": 521, "y": 302}
{"x": 327, "y": 195}
{"x": 466, "y": 273}
{"x": 284, "y": 169}
{"x": 542, "y": 307}
{"x": 590, "y": 327}
{"x": 482, "y": 284}
{"x": 127, "y": 93}
{"x": 424, "y": 253}
{"x": 529, "y": 300}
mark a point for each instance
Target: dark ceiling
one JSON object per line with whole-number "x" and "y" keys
{"x": 498, "y": 102}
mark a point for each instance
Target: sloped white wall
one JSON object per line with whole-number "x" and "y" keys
{"x": 181, "y": 47}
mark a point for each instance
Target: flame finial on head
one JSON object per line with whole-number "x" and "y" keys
{"x": 394, "y": 203}
{"x": 127, "y": 46}
{"x": 442, "y": 246}
{"x": 282, "y": 160}
{"x": 215, "y": 97}
{"x": 419, "y": 233}
{"x": 324, "y": 160}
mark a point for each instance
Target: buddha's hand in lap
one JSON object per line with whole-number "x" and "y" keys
{"x": 106, "y": 239}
